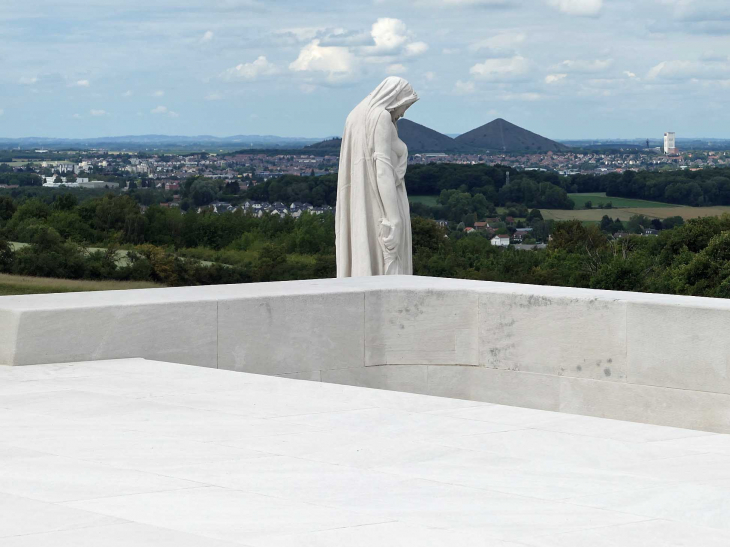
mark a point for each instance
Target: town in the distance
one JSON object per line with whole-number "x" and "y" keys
{"x": 642, "y": 214}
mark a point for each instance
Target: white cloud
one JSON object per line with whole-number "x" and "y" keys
{"x": 207, "y": 37}
{"x": 388, "y": 34}
{"x": 429, "y": 76}
{"x": 127, "y": 93}
{"x": 581, "y": 66}
{"x": 158, "y": 93}
{"x": 98, "y": 113}
{"x": 450, "y": 51}
{"x": 464, "y": 88}
{"x": 2, "y": 112}
{"x": 77, "y": 116}
{"x": 689, "y": 70}
{"x": 554, "y": 78}
{"x": 583, "y": 8}
{"x": 314, "y": 57}
{"x": 300, "y": 35}
{"x": 83, "y": 83}
{"x": 629, "y": 74}
{"x": 213, "y": 97}
{"x": 416, "y": 48}
{"x": 251, "y": 71}
{"x": 395, "y": 69}
{"x": 163, "y": 110}
{"x": 391, "y": 37}
{"x": 28, "y": 80}
{"x": 501, "y": 69}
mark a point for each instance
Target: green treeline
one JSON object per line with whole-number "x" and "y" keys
{"x": 691, "y": 259}
{"x": 20, "y": 179}
{"x": 109, "y": 237}
{"x": 533, "y": 189}
{"x": 696, "y": 188}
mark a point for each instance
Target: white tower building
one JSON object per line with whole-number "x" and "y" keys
{"x": 670, "y": 143}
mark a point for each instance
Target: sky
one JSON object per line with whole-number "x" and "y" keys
{"x": 566, "y": 69}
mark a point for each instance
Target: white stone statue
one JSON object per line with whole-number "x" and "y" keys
{"x": 373, "y": 222}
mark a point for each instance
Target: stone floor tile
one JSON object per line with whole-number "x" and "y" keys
{"x": 57, "y": 479}
{"x": 649, "y": 533}
{"x": 225, "y": 514}
{"x": 22, "y": 516}
{"x": 116, "y": 535}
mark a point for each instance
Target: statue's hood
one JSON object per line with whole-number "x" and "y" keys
{"x": 393, "y": 92}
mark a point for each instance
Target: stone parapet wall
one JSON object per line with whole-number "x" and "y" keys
{"x": 651, "y": 358}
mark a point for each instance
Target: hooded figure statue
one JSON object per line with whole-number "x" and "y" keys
{"x": 373, "y": 222}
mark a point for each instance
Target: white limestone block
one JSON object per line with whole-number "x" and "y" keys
{"x": 557, "y": 335}
{"x": 646, "y": 404}
{"x": 506, "y": 387}
{"x": 181, "y": 332}
{"x": 683, "y": 346}
{"x": 421, "y": 327}
{"x": 407, "y": 378}
{"x": 8, "y": 336}
{"x": 291, "y": 333}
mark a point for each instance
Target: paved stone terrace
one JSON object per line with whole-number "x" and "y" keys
{"x": 142, "y": 453}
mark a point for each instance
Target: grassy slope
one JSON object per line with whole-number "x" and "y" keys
{"x": 18, "y": 284}
{"x": 426, "y": 200}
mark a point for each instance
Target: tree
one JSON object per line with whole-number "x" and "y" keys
{"x": 6, "y": 256}
{"x": 65, "y": 202}
{"x": 638, "y": 223}
{"x": 672, "y": 222}
{"x": 606, "y": 223}
{"x": 588, "y": 204}
{"x": 7, "y": 208}
{"x": 573, "y": 237}
{"x": 534, "y": 214}
{"x": 203, "y": 192}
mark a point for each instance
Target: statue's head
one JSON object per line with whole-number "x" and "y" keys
{"x": 395, "y": 95}
{"x": 403, "y": 100}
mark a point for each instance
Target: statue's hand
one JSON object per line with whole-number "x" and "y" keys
{"x": 391, "y": 234}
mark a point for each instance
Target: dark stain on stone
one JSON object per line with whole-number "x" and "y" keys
{"x": 579, "y": 368}
{"x": 607, "y": 371}
{"x": 609, "y": 360}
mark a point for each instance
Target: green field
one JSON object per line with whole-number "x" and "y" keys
{"x": 624, "y": 214}
{"x": 600, "y": 198}
{"x": 431, "y": 201}
{"x": 19, "y": 284}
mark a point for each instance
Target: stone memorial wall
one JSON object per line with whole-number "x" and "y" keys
{"x": 651, "y": 358}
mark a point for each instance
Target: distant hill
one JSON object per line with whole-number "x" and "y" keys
{"x": 160, "y": 141}
{"x": 417, "y": 137}
{"x": 501, "y": 135}
{"x": 420, "y": 138}
{"x": 329, "y": 145}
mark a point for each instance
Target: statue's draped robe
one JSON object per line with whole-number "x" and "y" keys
{"x": 361, "y": 222}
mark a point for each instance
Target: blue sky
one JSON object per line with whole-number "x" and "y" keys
{"x": 562, "y": 68}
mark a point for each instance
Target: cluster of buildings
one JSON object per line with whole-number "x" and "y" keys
{"x": 162, "y": 169}
{"x": 589, "y": 163}
{"x": 62, "y": 182}
{"x": 260, "y": 208}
